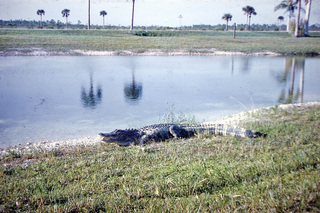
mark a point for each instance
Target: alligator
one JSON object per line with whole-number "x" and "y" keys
{"x": 162, "y": 132}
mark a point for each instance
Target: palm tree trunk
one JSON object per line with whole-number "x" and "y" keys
{"x": 88, "y": 14}
{"x": 249, "y": 22}
{"x": 103, "y": 21}
{"x": 41, "y": 21}
{"x": 296, "y": 32}
{"x": 227, "y": 25}
{"x": 131, "y": 27}
{"x": 67, "y": 22}
{"x": 288, "y": 23}
{"x": 306, "y": 19}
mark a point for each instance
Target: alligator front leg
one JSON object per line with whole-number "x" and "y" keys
{"x": 144, "y": 139}
{"x": 179, "y": 132}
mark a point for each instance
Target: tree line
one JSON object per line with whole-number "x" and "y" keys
{"x": 53, "y": 24}
{"x": 299, "y": 27}
{"x": 290, "y": 5}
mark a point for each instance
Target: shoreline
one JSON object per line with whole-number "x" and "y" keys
{"x": 152, "y": 52}
{"x": 236, "y": 119}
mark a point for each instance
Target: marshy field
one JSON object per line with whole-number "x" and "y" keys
{"x": 162, "y": 42}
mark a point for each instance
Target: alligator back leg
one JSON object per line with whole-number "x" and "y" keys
{"x": 144, "y": 139}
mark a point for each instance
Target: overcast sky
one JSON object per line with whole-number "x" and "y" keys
{"x": 149, "y": 12}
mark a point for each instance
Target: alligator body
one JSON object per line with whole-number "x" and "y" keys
{"x": 161, "y": 132}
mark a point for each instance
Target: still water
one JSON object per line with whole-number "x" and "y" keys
{"x": 58, "y": 98}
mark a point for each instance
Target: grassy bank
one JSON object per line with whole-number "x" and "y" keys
{"x": 278, "y": 173}
{"x": 24, "y": 42}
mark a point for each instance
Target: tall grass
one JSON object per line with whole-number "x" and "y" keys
{"x": 278, "y": 173}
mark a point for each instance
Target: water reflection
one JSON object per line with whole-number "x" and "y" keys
{"x": 133, "y": 90}
{"x": 292, "y": 67}
{"x": 139, "y": 90}
{"x": 246, "y": 65}
{"x": 232, "y": 65}
{"x": 91, "y": 99}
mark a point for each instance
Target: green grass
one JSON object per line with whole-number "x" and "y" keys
{"x": 279, "y": 173}
{"x": 165, "y": 41}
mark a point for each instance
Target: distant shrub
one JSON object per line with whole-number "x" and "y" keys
{"x": 166, "y": 28}
{"x": 145, "y": 33}
{"x": 220, "y": 28}
{"x": 154, "y": 34}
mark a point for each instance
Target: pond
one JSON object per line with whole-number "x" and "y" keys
{"x": 59, "y": 98}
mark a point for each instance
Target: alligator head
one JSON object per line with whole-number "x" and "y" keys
{"x": 121, "y": 137}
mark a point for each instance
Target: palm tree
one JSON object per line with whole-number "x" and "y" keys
{"x": 132, "y": 17}
{"x": 280, "y": 19}
{"x": 66, "y": 13}
{"x": 103, "y": 13}
{"x": 40, "y": 13}
{"x": 249, "y": 11}
{"x": 88, "y": 14}
{"x": 228, "y": 18}
{"x": 289, "y": 7}
{"x": 306, "y": 19}
{"x": 296, "y": 31}
{"x": 299, "y": 9}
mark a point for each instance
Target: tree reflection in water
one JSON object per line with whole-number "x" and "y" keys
{"x": 91, "y": 99}
{"x": 133, "y": 90}
{"x": 292, "y": 66}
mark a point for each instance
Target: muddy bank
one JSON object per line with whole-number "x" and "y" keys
{"x": 155, "y": 52}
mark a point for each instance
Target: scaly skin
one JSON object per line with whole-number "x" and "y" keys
{"x": 162, "y": 132}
